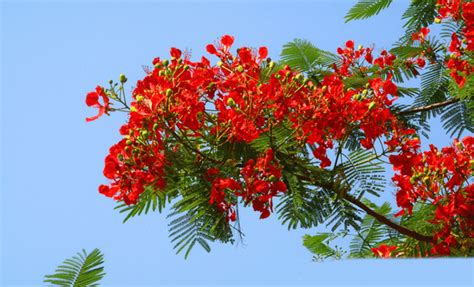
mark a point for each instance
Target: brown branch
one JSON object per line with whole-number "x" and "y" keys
{"x": 429, "y": 107}
{"x": 382, "y": 219}
{"x": 379, "y": 217}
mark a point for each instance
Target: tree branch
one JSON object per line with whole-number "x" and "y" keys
{"x": 429, "y": 107}
{"x": 379, "y": 217}
{"x": 382, "y": 219}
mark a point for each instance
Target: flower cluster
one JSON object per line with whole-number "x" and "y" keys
{"x": 261, "y": 182}
{"x": 181, "y": 105}
{"x": 170, "y": 102}
{"x": 459, "y": 10}
{"x": 92, "y": 100}
{"x": 384, "y": 251}
{"x": 439, "y": 178}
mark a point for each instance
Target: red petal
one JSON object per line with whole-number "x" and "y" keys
{"x": 263, "y": 52}
{"x": 92, "y": 99}
{"x": 211, "y": 49}
{"x": 227, "y": 40}
{"x": 175, "y": 53}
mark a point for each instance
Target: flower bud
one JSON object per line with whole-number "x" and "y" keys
{"x": 111, "y": 82}
{"x": 426, "y": 180}
{"x": 271, "y": 65}
{"x": 231, "y": 102}
{"x": 122, "y": 78}
{"x": 139, "y": 98}
{"x": 169, "y": 92}
{"x": 133, "y": 109}
{"x": 219, "y": 64}
{"x": 437, "y": 20}
{"x": 128, "y": 142}
{"x": 240, "y": 69}
{"x": 371, "y": 105}
{"x": 272, "y": 178}
{"x": 166, "y": 62}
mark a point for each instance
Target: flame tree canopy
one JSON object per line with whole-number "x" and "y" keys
{"x": 306, "y": 139}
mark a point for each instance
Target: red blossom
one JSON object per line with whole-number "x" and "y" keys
{"x": 92, "y": 100}
{"x": 384, "y": 251}
{"x": 227, "y": 41}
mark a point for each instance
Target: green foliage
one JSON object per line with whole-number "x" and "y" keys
{"x": 305, "y": 57}
{"x": 194, "y": 220}
{"x": 405, "y": 51}
{"x": 281, "y": 138}
{"x": 343, "y": 214}
{"x": 419, "y": 14}
{"x": 84, "y": 269}
{"x": 371, "y": 232}
{"x": 302, "y": 206}
{"x": 150, "y": 200}
{"x": 319, "y": 246}
{"x": 459, "y": 117}
{"x": 364, "y": 172}
{"x": 366, "y": 8}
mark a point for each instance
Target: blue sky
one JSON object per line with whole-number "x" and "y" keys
{"x": 53, "y": 53}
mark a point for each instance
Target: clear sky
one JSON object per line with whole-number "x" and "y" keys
{"x": 53, "y": 53}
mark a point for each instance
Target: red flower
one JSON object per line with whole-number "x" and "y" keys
{"x": 175, "y": 53}
{"x": 211, "y": 49}
{"x": 421, "y": 35}
{"x": 92, "y": 100}
{"x": 227, "y": 41}
{"x": 350, "y": 44}
{"x": 263, "y": 52}
{"x": 420, "y": 62}
{"x": 384, "y": 251}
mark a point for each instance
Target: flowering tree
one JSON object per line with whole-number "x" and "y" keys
{"x": 308, "y": 138}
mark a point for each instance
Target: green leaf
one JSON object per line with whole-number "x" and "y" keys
{"x": 316, "y": 244}
{"x": 366, "y": 8}
{"x": 193, "y": 220}
{"x": 301, "y": 206}
{"x": 79, "y": 271}
{"x": 371, "y": 232}
{"x": 364, "y": 172}
{"x": 406, "y": 51}
{"x": 150, "y": 200}
{"x": 305, "y": 57}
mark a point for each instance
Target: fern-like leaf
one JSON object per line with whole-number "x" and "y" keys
{"x": 364, "y": 173}
{"x": 79, "y": 271}
{"x": 305, "y": 57}
{"x": 195, "y": 221}
{"x": 366, "y": 8}
{"x": 371, "y": 232}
